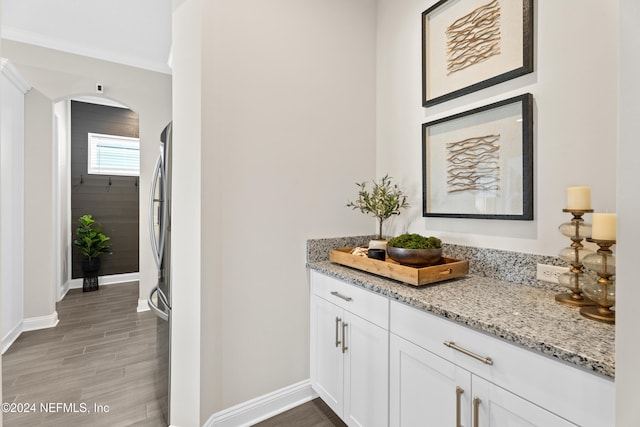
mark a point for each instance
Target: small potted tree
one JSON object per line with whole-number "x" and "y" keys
{"x": 92, "y": 243}
{"x": 384, "y": 200}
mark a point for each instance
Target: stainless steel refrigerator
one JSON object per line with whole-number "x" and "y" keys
{"x": 160, "y": 297}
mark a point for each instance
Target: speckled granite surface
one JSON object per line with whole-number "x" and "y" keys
{"x": 508, "y": 266}
{"x": 318, "y": 249}
{"x": 521, "y": 314}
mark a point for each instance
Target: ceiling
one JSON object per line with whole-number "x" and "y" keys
{"x": 130, "y": 32}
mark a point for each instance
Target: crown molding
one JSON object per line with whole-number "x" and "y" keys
{"x": 30, "y": 37}
{"x": 11, "y": 73}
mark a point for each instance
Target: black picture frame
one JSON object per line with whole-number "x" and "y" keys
{"x": 479, "y": 163}
{"x": 449, "y": 73}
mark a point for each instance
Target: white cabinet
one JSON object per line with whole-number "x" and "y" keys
{"x": 377, "y": 362}
{"x": 350, "y": 351}
{"x": 494, "y": 406}
{"x": 427, "y": 390}
{"x": 509, "y": 386}
{"x": 326, "y": 323}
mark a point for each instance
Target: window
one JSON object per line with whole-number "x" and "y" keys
{"x": 113, "y": 155}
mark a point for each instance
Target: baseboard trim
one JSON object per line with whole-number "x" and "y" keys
{"x": 107, "y": 280}
{"x": 143, "y": 305}
{"x": 62, "y": 292}
{"x": 263, "y": 407}
{"x": 40, "y": 322}
{"x": 29, "y": 324}
{"x": 13, "y": 334}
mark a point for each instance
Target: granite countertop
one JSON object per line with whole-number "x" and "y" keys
{"x": 522, "y": 314}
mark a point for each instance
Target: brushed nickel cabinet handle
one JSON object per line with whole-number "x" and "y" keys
{"x": 338, "y": 320}
{"x": 459, "y": 392}
{"x": 476, "y": 412}
{"x": 339, "y": 295}
{"x": 344, "y": 337}
{"x": 486, "y": 360}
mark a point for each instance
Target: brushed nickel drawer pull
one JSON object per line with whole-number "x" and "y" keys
{"x": 459, "y": 392}
{"x": 476, "y": 412}
{"x": 339, "y": 295}
{"x": 338, "y": 320}
{"x": 486, "y": 360}
{"x": 344, "y": 337}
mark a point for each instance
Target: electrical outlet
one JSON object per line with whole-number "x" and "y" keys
{"x": 550, "y": 273}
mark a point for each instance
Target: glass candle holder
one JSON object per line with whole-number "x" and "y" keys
{"x": 602, "y": 291}
{"x": 577, "y": 230}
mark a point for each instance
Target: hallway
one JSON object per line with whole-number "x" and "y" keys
{"x": 95, "y": 368}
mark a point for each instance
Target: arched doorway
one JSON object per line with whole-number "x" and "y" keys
{"x": 104, "y": 185}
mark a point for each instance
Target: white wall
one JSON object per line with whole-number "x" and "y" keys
{"x": 39, "y": 193}
{"x": 628, "y": 322}
{"x": 64, "y": 230}
{"x": 288, "y": 127}
{"x": 586, "y": 110}
{"x": 575, "y": 119}
{"x": 186, "y": 221}
{"x": 12, "y": 89}
{"x": 1, "y": 423}
{"x": 56, "y": 76}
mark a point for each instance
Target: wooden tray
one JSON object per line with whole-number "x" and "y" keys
{"x": 416, "y": 276}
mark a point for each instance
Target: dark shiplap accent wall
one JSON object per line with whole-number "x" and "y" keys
{"x": 115, "y": 206}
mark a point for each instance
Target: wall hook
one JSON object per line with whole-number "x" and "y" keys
{"x": 109, "y": 185}
{"x": 81, "y": 179}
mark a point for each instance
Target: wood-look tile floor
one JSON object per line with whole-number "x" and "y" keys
{"x": 315, "y": 413}
{"x": 101, "y": 353}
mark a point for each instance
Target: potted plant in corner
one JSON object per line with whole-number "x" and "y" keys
{"x": 384, "y": 200}
{"x": 92, "y": 243}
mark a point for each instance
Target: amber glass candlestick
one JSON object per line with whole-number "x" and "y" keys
{"x": 577, "y": 230}
{"x": 601, "y": 291}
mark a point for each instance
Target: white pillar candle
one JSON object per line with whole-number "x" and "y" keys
{"x": 579, "y": 198}
{"x": 604, "y": 226}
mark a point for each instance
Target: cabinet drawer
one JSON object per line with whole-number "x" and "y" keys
{"x": 363, "y": 303}
{"x": 431, "y": 332}
{"x": 577, "y": 395}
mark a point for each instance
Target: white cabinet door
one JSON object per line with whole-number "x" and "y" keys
{"x": 366, "y": 373}
{"x": 583, "y": 398}
{"x": 426, "y": 390}
{"x": 327, "y": 361}
{"x": 496, "y": 407}
{"x": 423, "y": 393}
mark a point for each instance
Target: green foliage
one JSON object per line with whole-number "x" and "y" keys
{"x": 90, "y": 239}
{"x": 415, "y": 241}
{"x": 382, "y": 202}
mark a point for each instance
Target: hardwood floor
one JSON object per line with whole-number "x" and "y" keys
{"x": 96, "y": 368}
